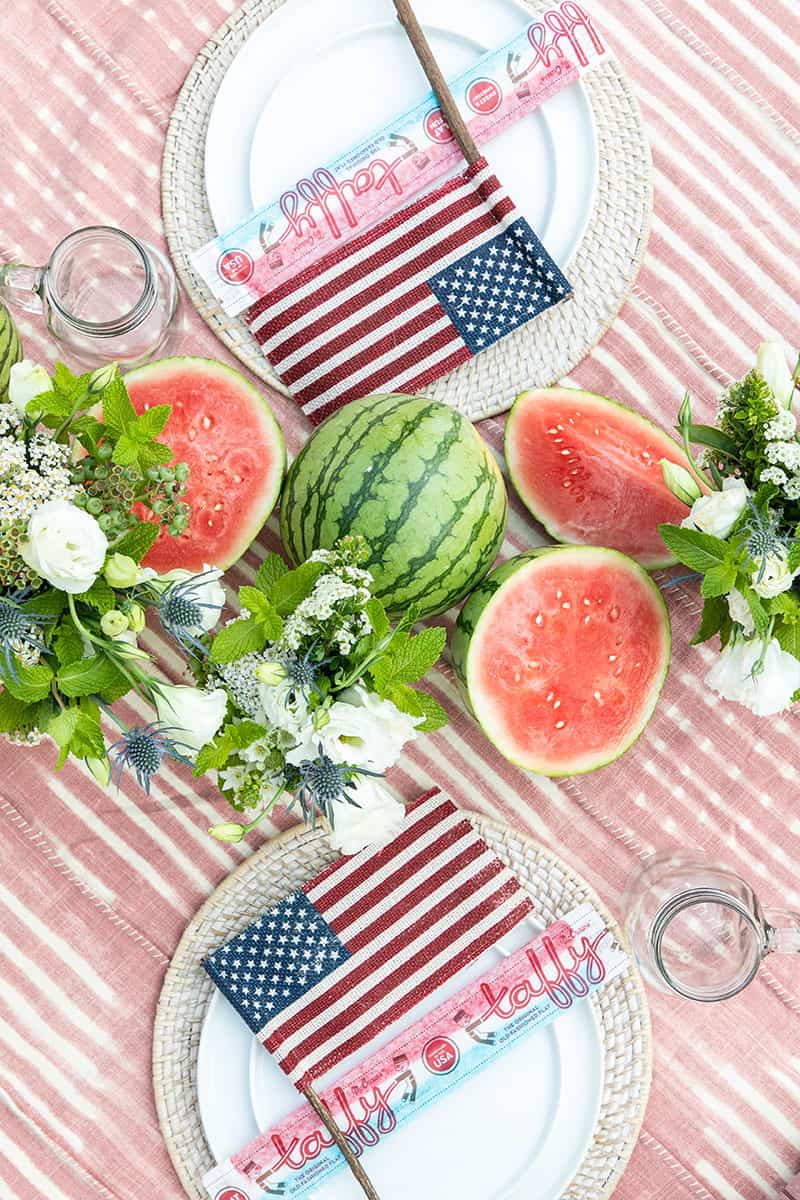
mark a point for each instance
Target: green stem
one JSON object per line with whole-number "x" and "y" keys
{"x": 65, "y": 424}
{"x": 139, "y": 682}
{"x": 267, "y": 809}
{"x": 687, "y": 448}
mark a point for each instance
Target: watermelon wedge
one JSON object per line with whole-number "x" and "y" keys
{"x": 588, "y": 469}
{"x": 562, "y": 654}
{"x": 224, "y": 429}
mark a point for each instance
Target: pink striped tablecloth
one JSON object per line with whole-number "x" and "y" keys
{"x": 97, "y": 886}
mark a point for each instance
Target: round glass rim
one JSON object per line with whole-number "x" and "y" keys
{"x": 127, "y": 321}
{"x": 689, "y": 899}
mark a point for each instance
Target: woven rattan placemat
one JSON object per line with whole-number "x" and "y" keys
{"x": 284, "y": 865}
{"x": 602, "y": 270}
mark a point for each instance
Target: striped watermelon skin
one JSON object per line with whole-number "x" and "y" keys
{"x": 417, "y": 481}
{"x": 10, "y": 349}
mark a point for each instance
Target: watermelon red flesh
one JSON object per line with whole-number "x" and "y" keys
{"x": 567, "y": 659}
{"x": 223, "y": 428}
{"x": 589, "y": 470}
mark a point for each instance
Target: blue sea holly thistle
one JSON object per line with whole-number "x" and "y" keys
{"x": 142, "y": 749}
{"x": 321, "y": 783}
{"x": 21, "y": 634}
{"x": 189, "y": 607}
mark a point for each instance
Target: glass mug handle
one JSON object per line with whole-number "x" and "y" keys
{"x": 22, "y": 286}
{"x": 782, "y": 929}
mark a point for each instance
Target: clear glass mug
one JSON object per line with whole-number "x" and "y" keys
{"x": 106, "y": 296}
{"x": 699, "y": 930}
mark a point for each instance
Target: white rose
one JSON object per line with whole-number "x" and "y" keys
{"x": 771, "y": 363}
{"x": 377, "y": 819}
{"x": 718, "y": 512}
{"x": 206, "y": 591}
{"x": 191, "y": 716}
{"x": 739, "y": 610}
{"x": 65, "y": 546}
{"x": 775, "y": 578}
{"x": 768, "y": 692}
{"x": 27, "y": 381}
{"x": 369, "y": 732}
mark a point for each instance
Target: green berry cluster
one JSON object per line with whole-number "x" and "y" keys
{"x": 109, "y": 492}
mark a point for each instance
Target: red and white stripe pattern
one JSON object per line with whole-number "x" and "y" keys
{"x": 364, "y": 318}
{"x": 403, "y": 919}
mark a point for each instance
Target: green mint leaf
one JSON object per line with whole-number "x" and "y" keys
{"x": 700, "y": 551}
{"x": 67, "y": 644}
{"x": 235, "y": 640}
{"x": 30, "y": 684}
{"x": 787, "y": 632}
{"x": 758, "y": 611}
{"x": 118, "y": 412}
{"x": 90, "y": 676}
{"x": 377, "y": 617}
{"x": 153, "y": 454}
{"x": 271, "y": 570}
{"x": 126, "y": 452}
{"x": 715, "y": 613}
{"x": 786, "y": 603}
{"x": 100, "y": 596}
{"x": 50, "y": 603}
{"x": 719, "y": 580}
{"x": 152, "y": 422}
{"x": 138, "y": 540}
{"x": 418, "y": 704}
{"x": 244, "y": 733}
{"x": 293, "y": 587}
{"x": 414, "y": 656}
{"x": 77, "y": 731}
{"x": 49, "y": 404}
{"x": 793, "y": 557}
{"x": 64, "y": 380}
{"x": 15, "y": 714}
{"x": 254, "y": 600}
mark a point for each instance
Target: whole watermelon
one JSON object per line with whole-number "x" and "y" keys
{"x": 10, "y": 349}
{"x": 416, "y": 480}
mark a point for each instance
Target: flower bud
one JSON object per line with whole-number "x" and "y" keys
{"x": 136, "y": 618}
{"x": 271, "y": 673}
{"x": 113, "y": 623}
{"x": 101, "y": 378}
{"x": 26, "y": 381}
{"x": 121, "y": 571}
{"x": 682, "y": 485}
{"x": 100, "y": 768}
{"x": 228, "y": 831}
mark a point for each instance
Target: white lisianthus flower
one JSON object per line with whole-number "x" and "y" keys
{"x": 771, "y": 364}
{"x": 377, "y": 819}
{"x": 739, "y": 610}
{"x": 718, "y": 512}
{"x": 775, "y": 578}
{"x": 193, "y": 717}
{"x": 201, "y": 588}
{"x": 26, "y": 381}
{"x": 284, "y": 706}
{"x": 764, "y": 694}
{"x": 65, "y": 546}
{"x": 362, "y": 730}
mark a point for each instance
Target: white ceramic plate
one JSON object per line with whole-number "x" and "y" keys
{"x": 317, "y": 77}
{"x": 516, "y": 1131}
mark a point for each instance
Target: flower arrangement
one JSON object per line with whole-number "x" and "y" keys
{"x": 314, "y": 687}
{"x": 742, "y": 533}
{"x": 85, "y": 487}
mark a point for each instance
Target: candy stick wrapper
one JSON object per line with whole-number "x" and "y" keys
{"x": 525, "y": 992}
{"x": 336, "y": 201}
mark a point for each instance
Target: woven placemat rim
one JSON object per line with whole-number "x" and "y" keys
{"x": 504, "y": 832}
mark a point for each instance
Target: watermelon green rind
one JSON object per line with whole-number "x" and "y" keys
{"x": 10, "y": 349}
{"x": 671, "y": 449}
{"x": 477, "y": 613}
{"x": 259, "y": 504}
{"x": 417, "y": 481}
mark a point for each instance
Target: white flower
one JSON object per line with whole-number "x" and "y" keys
{"x": 193, "y": 717}
{"x": 362, "y": 730}
{"x": 27, "y": 381}
{"x": 257, "y": 752}
{"x": 128, "y": 645}
{"x": 65, "y": 546}
{"x": 792, "y": 488}
{"x": 775, "y": 578}
{"x": 377, "y": 819}
{"x": 284, "y": 706}
{"x": 785, "y": 453}
{"x": 781, "y": 427}
{"x": 766, "y": 693}
{"x": 232, "y": 778}
{"x": 718, "y": 512}
{"x": 740, "y": 611}
{"x": 771, "y": 364}
{"x": 774, "y": 475}
{"x": 201, "y": 588}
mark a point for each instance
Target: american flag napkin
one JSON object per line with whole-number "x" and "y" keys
{"x": 420, "y": 293}
{"x": 323, "y": 972}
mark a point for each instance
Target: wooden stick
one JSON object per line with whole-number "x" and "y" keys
{"x": 326, "y": 1116}
{"x": 458, "y": 126}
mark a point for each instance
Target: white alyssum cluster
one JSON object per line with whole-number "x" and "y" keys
{"x": 783, "y": 452}
{"x": 32, "y": 473}
{"x": 337, "y": 596}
